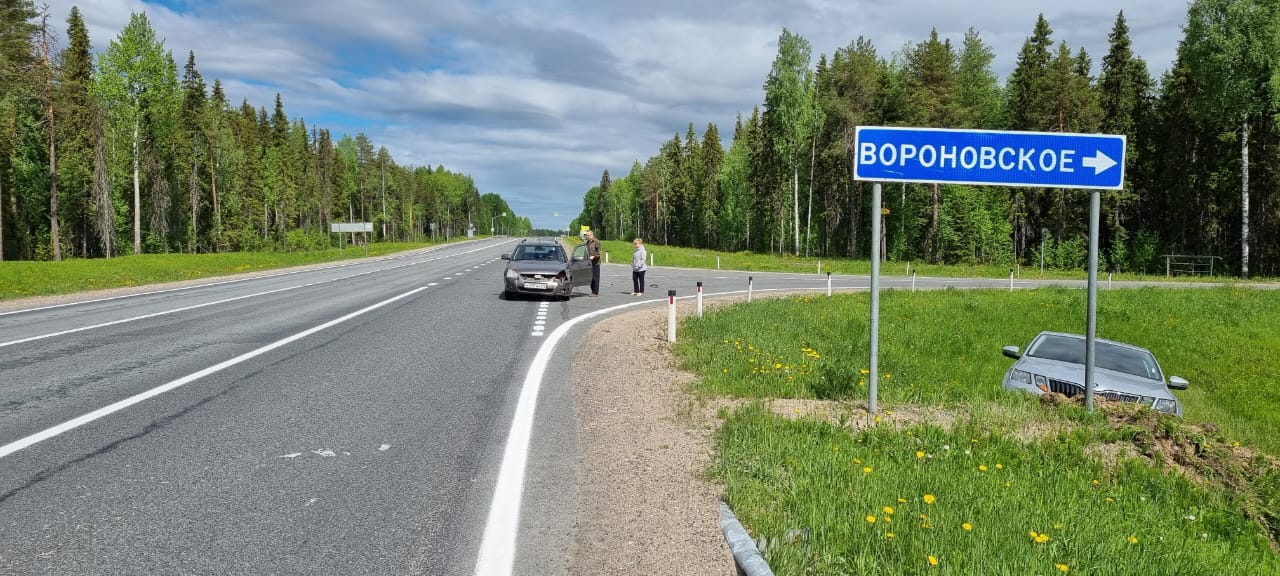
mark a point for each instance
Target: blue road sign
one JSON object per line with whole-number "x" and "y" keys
{"x": 988, "y": 157}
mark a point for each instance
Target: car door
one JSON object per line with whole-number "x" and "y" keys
{"x": 579, "y": 267}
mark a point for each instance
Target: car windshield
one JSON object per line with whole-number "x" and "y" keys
{"x": 539, "y": 253}
{"x": 1108, "y": 356}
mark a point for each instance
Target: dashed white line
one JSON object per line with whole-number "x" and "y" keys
{"x": 77, "y": 422}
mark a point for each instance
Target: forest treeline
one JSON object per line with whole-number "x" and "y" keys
{"x": 1202, "y": 162}
{"x": 127, "y": 154}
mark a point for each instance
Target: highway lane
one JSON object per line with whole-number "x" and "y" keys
{"x": 366, "y": 448}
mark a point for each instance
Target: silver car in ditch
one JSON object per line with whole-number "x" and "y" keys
{"x": 1054, "y": 362}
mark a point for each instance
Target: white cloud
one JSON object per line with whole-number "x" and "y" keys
{"x": 535, "y": 101}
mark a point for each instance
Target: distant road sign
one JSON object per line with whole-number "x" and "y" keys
{"x": 988, "y": 157}
{"x": 351, "y": 227}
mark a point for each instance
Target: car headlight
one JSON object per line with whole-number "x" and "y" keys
{"x": 511, "y": 273}
{"x": 1042, "y": 383}
{"x": 1167, "y": 405}
{"x": 1020, "y": 376}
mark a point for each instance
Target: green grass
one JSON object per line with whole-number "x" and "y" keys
{"x": 675, "y": 256}
{"x": 846, "y": 493}
{"x": 941, "y": 349}
{"x": 21, "y": 279}
{"x": 944, "y": 346}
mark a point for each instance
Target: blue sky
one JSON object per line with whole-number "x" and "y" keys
{"x": 535, "y": 100}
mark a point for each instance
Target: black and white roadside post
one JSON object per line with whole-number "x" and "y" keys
{"x": 699, "y": 299}
{"x": 671, "y": 315}
{"x": 828, "y": 283}
{"x": 999, "y": 158}
{"x": 749, "y": 279}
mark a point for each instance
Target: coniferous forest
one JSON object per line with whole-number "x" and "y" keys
{"x": 128, "y": 154}
{"x": 1202, "y": 163}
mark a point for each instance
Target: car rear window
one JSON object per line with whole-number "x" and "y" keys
{"x": 1108, "y": 356}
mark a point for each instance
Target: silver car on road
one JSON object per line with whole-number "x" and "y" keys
{"x": 1054, "y": 362}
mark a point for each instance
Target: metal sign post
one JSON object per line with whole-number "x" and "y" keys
{"x": 990, "y": 157}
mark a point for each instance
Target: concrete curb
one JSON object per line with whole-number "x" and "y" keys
{"x": 745, "y": 554}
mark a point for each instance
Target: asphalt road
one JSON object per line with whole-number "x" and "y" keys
{"x": 351, "y": 419}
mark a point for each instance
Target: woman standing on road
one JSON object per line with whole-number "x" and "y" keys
{"x": 638, "y": 267}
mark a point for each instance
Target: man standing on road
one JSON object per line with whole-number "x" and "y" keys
{"x": 593, "y": 254}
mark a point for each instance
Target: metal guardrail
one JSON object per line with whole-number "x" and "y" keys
{"x": 1189, "y": 265}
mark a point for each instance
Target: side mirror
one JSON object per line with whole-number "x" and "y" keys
{"x": 506, "y": 256}
{"x": 1011, "y": 352}
{"x": 1178, "y": 383}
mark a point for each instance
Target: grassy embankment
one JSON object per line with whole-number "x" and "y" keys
{"x": 989, "y": 482}
{"x": 620, "y": 253}
{"x": 21, "y": 279}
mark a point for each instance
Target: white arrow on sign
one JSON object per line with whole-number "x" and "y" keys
{"x": 1099, "y": 162}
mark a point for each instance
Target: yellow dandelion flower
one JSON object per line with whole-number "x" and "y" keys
{"x": 725, "y": 371}
{"x": 1110, "y": 499}
{"x": 777, "y": 365}
{"x": 1008, "y": 484}
{"x": 973, "y": 440}
{"x": 857, "y": 461}
{"x": 877, "y": 419}
{"x": 902, "y": 500}
{"x": 889, "y": 412}
{"x": 929, "y": 499}
{"x": 888, "y": 376}
{"x": 1095, "y": 483}
{"x": 871, "y": 519}
{"x": 1057, "y": 526}
{"x": 1062, "y": 567}
{"x": 919, "y": 454}
{"x": 933, "y": 560}
{"x": 999, "y": 466}
{"x": 888, "y": 509}
{"x": 1236, "y": 444}
{"x": 967, "y": 527}
{"x": 1042, "y": 538}
{"x": 888, "y": 519}
{"x": 864, "y": 371}
{"x": 888, "y": 535}
{"x": 866, "y": 469}
{"x": 1033, "y": 534}
{"x": 1133, "y": 539}
{"x": 982, "y": 467}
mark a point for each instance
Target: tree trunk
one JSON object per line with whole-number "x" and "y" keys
{"x": 137, "y": 194}
{"x": 55, "y": 236}
{"x": 193, "y": 185}
{"x": 808, "y": 225}
{"x": 1244, "y": 200}
{"x": 217, "y": 212}
{"x": 1, "y": 219}
{"x": 795, "y": 193}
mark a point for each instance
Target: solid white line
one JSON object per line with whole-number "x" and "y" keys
{"x": 213, "y": 303}
{"x": 410, "y": 254}
{"x": 72, "y": 424}
{"x": 498, "y": 546}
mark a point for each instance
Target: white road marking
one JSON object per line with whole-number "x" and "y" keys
{"x": 238, "y": 280}
{"x": 384, "y": 447}
{"x": 311, "y": 501}
{"x": 294, "y": 455}
{"x": 77, "y": 422}
{"x": 498, "y": 546}
{"x": 433, "y": 284}
{"x": 196, "y": 306}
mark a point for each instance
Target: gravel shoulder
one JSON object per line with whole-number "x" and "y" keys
{"x": 646, "y": 449}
